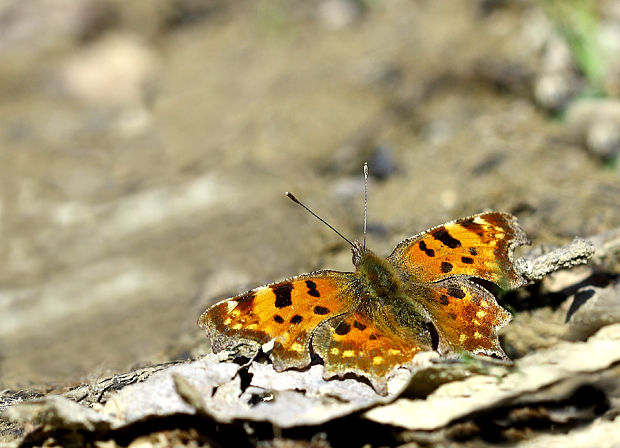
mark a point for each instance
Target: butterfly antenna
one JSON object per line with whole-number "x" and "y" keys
{"x": 365, "y": 201}
{"x": 296, "y": 201}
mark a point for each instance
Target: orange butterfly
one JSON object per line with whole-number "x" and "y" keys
{"x": 376, "y": 319}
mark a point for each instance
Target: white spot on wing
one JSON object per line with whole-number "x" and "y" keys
{"x": 231, "y": 304}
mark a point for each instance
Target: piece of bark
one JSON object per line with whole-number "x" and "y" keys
{"x": 592, "y": 308}
{"x": 534, "y": 268}
{"x": 532, "y": 373}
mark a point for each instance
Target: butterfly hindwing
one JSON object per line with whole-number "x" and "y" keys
{"x": 466, "y": 316}
{"x": 286, "y": 312}
{"x": 369, "y": 342}
{"x": 354, "y": 345}
{"x": 478, "y": 246}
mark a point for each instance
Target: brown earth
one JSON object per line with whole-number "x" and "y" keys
{"x": 145, "y": 153}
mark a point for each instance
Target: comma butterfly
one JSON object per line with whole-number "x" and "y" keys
{"x": 373, "y": 320}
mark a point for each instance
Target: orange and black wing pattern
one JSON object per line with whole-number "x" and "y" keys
{"x": 370, "y": 343}
{"x": 466, "y": 316}
{"x": 286, "y": 312}
{"x": 377, "y": 319}
{"x": 478, "y": 246}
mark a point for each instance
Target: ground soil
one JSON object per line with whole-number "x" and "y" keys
{"x": 121, "y": 220}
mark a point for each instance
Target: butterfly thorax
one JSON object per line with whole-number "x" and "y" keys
{"x": 383, "y": 282}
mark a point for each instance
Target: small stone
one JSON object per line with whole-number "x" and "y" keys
{"x": 596, "y": 123}
{"x": 337, "y": 14}
{"x": 113, "y": 72}
{"x": 603, "y": 139}
{"x": 554, "y": 90}
{"x": 381, "y": 163}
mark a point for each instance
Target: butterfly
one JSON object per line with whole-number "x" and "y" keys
{"x": 376, "y": 319}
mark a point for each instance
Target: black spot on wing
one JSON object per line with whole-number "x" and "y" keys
{"x": 426, "y": 250}
{"x": 474, "y": 227}
{"x": 467, "y": 260}
{"x": 283, "y": 294}
{"x": 445, "y": 238}
{"x": 312, "y": 289}
{"x": 473, "y": 251}
{"x": 343, "y": 328}
{"x": 296, "y": 319}
{"x": 246, "y": 298}
{"x": 446, "y": 267}
{"x": 372, "y": 337}
{"x": 444, "y": 299}
{"x": 320, "y": 310}
{"x": 278, "y": 318}
{"x": 456, "y": 291}
{"x": 360, "y": 326}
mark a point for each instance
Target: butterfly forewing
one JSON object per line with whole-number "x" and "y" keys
{"x": 478, "y": 246}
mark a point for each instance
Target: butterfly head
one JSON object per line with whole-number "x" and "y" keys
{"x": 358, "y": 250}
{"x": 363, "y": 256}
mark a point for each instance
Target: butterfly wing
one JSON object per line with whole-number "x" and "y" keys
{"x": 287, "y": 312}
{"x": 478, "y": 246}
{"x": 466, "y": 316}
{"x": 371, "y": 342}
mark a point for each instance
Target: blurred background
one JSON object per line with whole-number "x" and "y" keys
{"x": 145, "y": 148}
